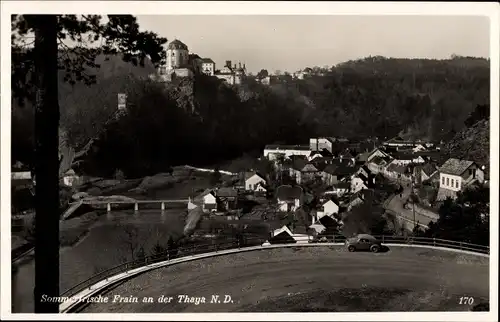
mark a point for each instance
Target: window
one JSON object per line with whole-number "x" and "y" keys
{"x": 452, "y": 182}
{"x": 442, "y": 181}
{"x": 447, "y": 181}
{"x": 456, "y": 184}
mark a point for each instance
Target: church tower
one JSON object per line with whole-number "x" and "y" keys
{"x": 177, "y": 55}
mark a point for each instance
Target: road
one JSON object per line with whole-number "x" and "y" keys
{"x": 310, "y": 279}
{"x": 396, "y": 205}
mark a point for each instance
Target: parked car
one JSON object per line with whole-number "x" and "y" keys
{"x": 363, "y": 242}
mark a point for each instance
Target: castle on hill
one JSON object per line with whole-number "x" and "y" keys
{"x": 180, "y": 63}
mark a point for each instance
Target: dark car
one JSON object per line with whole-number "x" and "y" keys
{"x": 363, "y": 242}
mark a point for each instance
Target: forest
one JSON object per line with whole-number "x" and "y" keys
{"x": 202, "y": 121}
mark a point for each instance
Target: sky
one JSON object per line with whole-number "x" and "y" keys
{"x": 290, "y": 43}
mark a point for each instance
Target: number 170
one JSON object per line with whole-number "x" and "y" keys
{"x": 466, "y": 300}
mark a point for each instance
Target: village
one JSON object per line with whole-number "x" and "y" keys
{"x": 314, "y": 187}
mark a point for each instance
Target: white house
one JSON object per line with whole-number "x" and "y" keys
{"x": 339, "y": 189}
{"x": 318, "y": 144}
{"x": 209, "y": 201}
{"x": 358, "y": 183}
{"x": 406, "y": 158}
{"x": 289, "y": 198}
{"x": 329, "y": 208}
{"x": 253, "y": 180}
{"x": 272, "y": 152}
{"x": 207, "y": 66}
{"x": 455, "y": 175}
{"x": 419, "y": 148}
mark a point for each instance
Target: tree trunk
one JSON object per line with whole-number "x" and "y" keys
{"x": 46, "y": 165}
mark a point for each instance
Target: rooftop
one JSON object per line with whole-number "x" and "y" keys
{"x": 177, "y": 44}
{"x": 287, "y": 147}
{"x": 455, "y": 166}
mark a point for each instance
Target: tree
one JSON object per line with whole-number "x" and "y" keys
{"x": 364, "y": 219}
{"x": 172, "y": 248}
{"x": 215, "y": 178}
{"x": 465, "y": 219}
{"x": 263, "y": 73}
{"x": 158, "y": 250}
{"x": 38, "y": 66}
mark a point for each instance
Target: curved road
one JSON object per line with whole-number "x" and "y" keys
{"x": 303, "y": 279}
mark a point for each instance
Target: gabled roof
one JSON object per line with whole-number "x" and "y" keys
{"x": 378, "y": 160}
{"x": 250, "y": 174}
{"x": 394, "y": 167}
{"x": 329, "y": 168}
{"x": 299, "y": 164}
{"x": 429, "y": 169}
{"x": 403, "y": 156}
{"x": 205, "y": 192}
{"x": 344, "y": 170}
{"x": 207, "y": 60}
{"x": 287, "y": 192}
{"x": 455, "y": 166}
{"x": 283, "y": 229}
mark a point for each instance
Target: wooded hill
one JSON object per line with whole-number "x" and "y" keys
{"x": 202, "y": 121}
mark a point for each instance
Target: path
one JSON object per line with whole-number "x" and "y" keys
{"x": 396, "y": 205}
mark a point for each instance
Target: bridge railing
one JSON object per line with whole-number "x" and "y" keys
{"x": 185, "y": 251}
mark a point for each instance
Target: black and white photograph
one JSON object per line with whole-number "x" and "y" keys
{"x": 249, "y": 157}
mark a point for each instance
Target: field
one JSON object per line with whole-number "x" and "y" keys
{"x": 312, "y": 279}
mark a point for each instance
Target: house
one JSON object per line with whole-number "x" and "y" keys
{"x": 377, "y": 153}
{"x": 419, "y": 148}
{"x": 407, "y": 158}
{"x": 227, "y": 198}
{"x": 317, "y": 228}
{"x": 398, "y": 143}
{"x": 358, "y": 198}
{"x": 320, "y": 154}
{"x": 339, "y": 189}
{"x": 302, "y": 170}
{"x": 319, "y": 144}
{"x": 397, "y": 171}
{"x": 327, "y": 174}
{"x": 261, "y": 189}
{"x": 232, "y": 75}
{"x": 252, "y": 180}
{"x": 70, "y": 178}
{"x": 364, "y": 171}
{"x": 21, "y": 179}
{"x": 272, "y": 152}
{"x": 426, "y": 172}
{"x": 207, "y": 200}
{"x": 284, "y": 235}
{"x": 455, "y": 175}
{"x": 377, "y": 164}
{"x": 361, "y": 182}
{"x": 330, "y": 207}
{"x": 207, "y": 66}
{"x": 289, "y": 198}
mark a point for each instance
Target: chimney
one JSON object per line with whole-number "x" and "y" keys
{"x": 228, "y": 63}
{"x": 239, "y": 64}
{"x": 234, "y": 66}
{"x": 244, "y": 67}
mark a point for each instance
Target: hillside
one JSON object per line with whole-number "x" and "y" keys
{"x": 472, "y": 143}
{"x": 204, "y": 121}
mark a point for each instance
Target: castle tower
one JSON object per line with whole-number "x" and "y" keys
{"x": 177, "y": 55}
